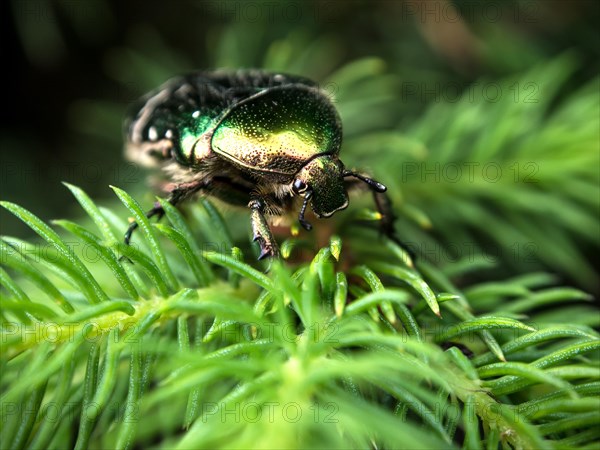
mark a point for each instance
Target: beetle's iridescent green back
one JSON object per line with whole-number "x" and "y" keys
{"x": 279, "y": 130}
{"x": 178, "y": 120}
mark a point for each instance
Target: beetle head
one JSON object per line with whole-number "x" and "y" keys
{"x": 321, "y": 181}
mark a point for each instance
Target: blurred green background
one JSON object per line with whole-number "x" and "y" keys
{"x": 481, "y": 116}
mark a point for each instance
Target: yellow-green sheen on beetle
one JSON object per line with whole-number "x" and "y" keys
{"x": 267, "y": 141}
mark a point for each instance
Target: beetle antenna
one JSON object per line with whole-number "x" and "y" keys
{"x": 375, "y": 185}
{"x": 307, "y": 226}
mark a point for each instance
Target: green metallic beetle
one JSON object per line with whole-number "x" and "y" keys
{"x": 267, "y": 141}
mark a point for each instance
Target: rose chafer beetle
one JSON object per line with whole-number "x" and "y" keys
{"x": 268, "y": 141}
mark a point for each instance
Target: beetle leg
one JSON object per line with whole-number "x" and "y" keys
{"x": 179, "y": 193}
{"x": 261, "y": 231}
{"x": 157, "y": 210}
{"x": 386, "y": 223}
{"x": 307, "y": 226}
{"x": 384, "y": 208}
{"x": 383, "y": 204}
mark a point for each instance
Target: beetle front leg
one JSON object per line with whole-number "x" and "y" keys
{"x": 383, "y": 204}
{"x": 386, "y": 223}
{"x": 261, "y": 230}
{"x": 384, "y": 208}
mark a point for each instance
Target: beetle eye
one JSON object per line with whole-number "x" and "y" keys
{"x": 299, "y": 186}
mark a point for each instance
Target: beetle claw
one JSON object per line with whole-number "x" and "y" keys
{"x": 267, "y": 251}
{"x": 306, "y": 225}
